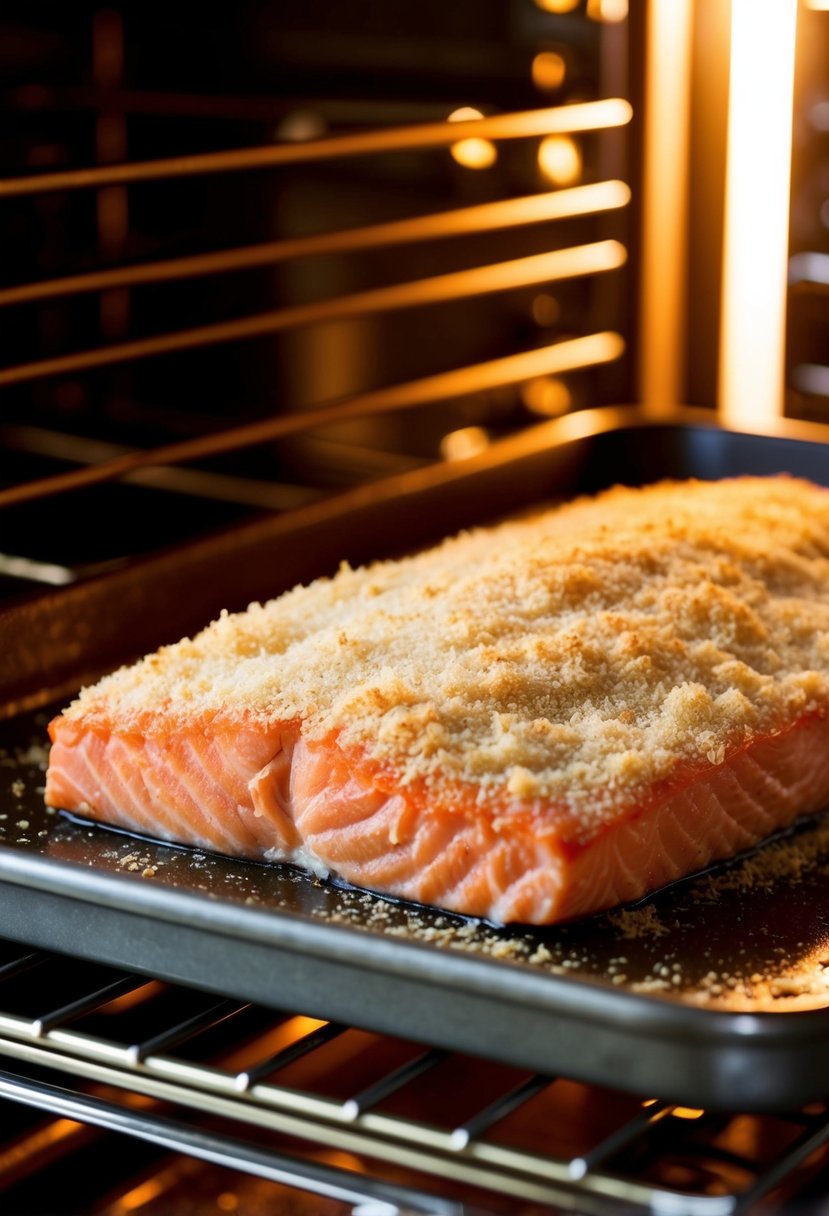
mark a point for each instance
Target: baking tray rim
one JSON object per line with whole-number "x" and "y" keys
{"x": 587, "y": 999}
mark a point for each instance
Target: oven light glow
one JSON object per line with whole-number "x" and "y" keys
{"x": 560, "y": 160}
{"x": 20, "y": 1152}
{"x": 752, "y": 329}
{"x": 463, "y": 443}
{"x": 546, "y": 310}
{"x": 819, "y": 6}
{"x": 557, "y": 6}
{"x": 300, "y": 126}
{"x": 607, "y": 10}
{"x": 549, "y": 70}
{"x": 547, "y": 395}
{"x": 347, "y": 1161}
{"x": 664, "y": 204}
{"x": 474, "y": 152}
{"x": 140, "y": 1195}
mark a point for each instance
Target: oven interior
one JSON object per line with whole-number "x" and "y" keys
{"x": 256, "y": 279}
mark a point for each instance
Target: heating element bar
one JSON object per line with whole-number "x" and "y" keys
{"x": 594, "y": 258}
{"x": 581, "y": 116}
{"x": 462, "y": 221}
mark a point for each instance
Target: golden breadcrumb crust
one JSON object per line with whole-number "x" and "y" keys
{"x": 576, "y": 657}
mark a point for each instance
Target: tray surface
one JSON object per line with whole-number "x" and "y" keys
{"x": 683, "y": 967}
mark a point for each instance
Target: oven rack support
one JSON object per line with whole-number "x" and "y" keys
{"x": 251, "y": 1098}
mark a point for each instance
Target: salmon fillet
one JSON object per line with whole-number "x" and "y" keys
{"x": 528, "y": 723}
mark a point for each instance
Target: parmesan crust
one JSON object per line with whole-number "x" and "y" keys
{"x": 575, "y": 658}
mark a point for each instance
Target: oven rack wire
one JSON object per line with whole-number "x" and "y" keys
{"x": 131, "y": 1086}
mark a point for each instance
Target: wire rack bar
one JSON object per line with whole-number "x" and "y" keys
{"x": 568, "y": 355}
{"x": 622, "y": 1138}
{"x": 173, "y": 1135}
{"x": 95, "y": 457}
{"x": 175, "y": 1035}
{"x": 591, "y": 199}
{"x": 571, "y": 262}
{"x": 289, "y": 1055}
{"x": 12, "y": 565}
{"x": 17, "y": 966}
{"x": 812, "y": 1139}
{"x": 393, "y": 1081}
{"x": 91, "y": 1001}
{"x": 497, "y": 1110}
{"x": 581, "y": 116}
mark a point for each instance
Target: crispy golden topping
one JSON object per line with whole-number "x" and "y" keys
{"x": 576, "y": 657}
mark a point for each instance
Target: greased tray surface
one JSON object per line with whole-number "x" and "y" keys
{"x": 714, "y": 991}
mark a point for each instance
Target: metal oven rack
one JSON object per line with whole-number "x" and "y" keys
{"x": 245, "y": 1088}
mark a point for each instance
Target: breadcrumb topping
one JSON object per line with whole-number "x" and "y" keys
{"x": 575, "y": 658}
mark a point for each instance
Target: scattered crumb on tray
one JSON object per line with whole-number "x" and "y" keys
{"x": 789, "y": 859}
{"x": 135, "y": 862}
{"x": 36, "y": 755}
{"x": 643, "y": 921}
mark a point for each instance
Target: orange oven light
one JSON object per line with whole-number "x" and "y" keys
{"x": 755, "y": 250}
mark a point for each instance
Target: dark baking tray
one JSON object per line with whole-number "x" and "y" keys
{"x": 713, "y": 992}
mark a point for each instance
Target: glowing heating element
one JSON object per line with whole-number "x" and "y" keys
{"x": 758, "y": 165}
{"x": 664, "y": 205}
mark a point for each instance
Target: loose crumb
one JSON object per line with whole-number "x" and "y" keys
{"x": 638, "y": 922}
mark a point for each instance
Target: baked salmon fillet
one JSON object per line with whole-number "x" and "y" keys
{"x": 527, "y": 723}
